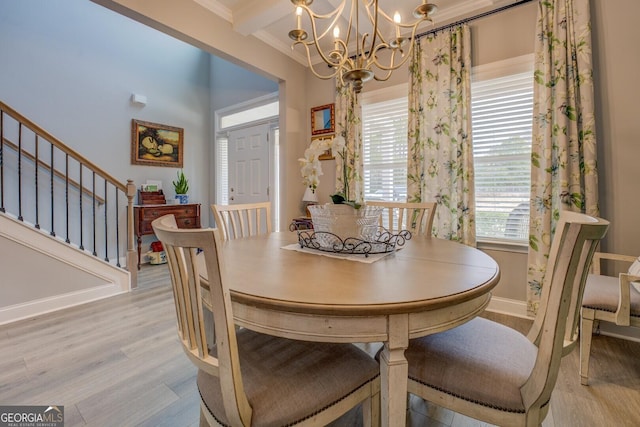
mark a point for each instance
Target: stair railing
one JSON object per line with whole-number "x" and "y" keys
{"x": 46, "y": 184}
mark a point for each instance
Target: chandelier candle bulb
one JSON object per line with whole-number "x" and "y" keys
{"x": 397, "y": 19}
{"x": 298, "y": 16}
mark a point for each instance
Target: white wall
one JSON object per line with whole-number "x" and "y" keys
{"x": 27, "y": 275}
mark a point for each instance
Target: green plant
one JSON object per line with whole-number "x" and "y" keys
{"x": 181, "y": 185}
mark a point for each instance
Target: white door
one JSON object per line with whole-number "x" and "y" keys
{"x": 249, "y": 165}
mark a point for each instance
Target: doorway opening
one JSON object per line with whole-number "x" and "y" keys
{"x": 247, "y": 154}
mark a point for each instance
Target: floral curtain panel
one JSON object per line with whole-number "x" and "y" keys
{"x": 440, "y": 164}
{"x": 563, "y": 162}
{"x": 349, "y": 164}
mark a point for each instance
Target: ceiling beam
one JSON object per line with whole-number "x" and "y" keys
{"x": 252, "y": 16}
{"x": 216, "y": 7}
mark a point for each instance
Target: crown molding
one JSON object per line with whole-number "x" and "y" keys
{"x": 218, "y": 8}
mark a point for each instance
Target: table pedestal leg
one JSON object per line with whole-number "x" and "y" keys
{"x": 393, "y": 372}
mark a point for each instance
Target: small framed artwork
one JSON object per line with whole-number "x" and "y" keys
{"x": 327, "y": 154}
{"x": 323, "y": 119}
{"x": 153, "y": 144}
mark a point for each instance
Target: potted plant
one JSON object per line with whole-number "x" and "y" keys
{"x": 181, "y": 187}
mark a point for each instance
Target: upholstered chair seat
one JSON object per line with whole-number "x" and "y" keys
{"x": 481, "y": 361}
{"x": 320, "y": 375}
{"x": 609, "y": 299}
{"x": 603, "y": 293}
{"x": 495, "y": 374}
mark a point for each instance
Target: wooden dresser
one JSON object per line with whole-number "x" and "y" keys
{"x": 153, "y": 205}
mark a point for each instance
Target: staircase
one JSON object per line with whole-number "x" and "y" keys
{"x": 66, "y": 226}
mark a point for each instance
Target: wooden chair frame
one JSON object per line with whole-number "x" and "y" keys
{"x": 553, "y": 330}
{"x": 182, "y": 247}
{"x": 415, "y": 217}
{"x": 621, "y": 316}
{"x": 243, "y": 220}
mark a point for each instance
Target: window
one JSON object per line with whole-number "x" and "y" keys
{"x": 254, "y": 114}
{"x": 222, "y": 170}
{"x": 501, "y": 114}
{"x": 384, "y": 138}
{"x": 501, "y": 111}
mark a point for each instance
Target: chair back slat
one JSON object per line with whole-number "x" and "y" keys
{"x": 243, "y": 220}
{"x": 182, "y": 247}
{"x": 415, "y": 217}
{"x": 574, "y": 243}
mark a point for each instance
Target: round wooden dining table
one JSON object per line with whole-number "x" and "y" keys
{"x": 427, "y": 286}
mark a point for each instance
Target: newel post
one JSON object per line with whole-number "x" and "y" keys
{"x": 132, "y": 254}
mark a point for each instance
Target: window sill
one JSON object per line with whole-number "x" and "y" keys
{"x": 501, "y": 245}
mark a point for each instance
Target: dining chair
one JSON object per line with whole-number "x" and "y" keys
{"x": 609, "y": 299}
{"x": 495, "y": 374}
{"x": 243, "y": 220}
{"x": 253, "y": 379}
{"x": 415, "y": 217}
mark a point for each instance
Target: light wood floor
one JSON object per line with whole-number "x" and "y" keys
{"x": 117, "y": 362}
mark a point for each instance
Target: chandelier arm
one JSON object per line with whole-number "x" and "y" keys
{"x": 338, "y": 55}
{"x": 392, "y": 66}
{"x": 312, "y": 68}
{"x": 313, "y": 17}
{"x": 336, "y": 12}
{"x": 365, "y": 57}
{"x": 354, "y": 12}
{"x": 358, "y": 67}
{"x": 369, "y": 53}
{"x": 384, "y": 78}
{"x": 325, "y": 76}
{"x": 349, "y": 64}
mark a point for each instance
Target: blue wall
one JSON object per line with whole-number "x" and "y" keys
{"x": 71, "y": 67}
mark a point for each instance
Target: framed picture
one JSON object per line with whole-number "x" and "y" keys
{"x": 153, "y": 144}
{"x": 323, "y": 119}
{"x": 327, "y": 154}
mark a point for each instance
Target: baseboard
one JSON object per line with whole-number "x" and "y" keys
{"x": 42, "y": 306}
{"x": 624, "y": 332}
{"x": 517, "y": 308}
{"x": 507, "y": 306}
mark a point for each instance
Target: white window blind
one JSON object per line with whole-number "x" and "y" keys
{"x": 384, "y": 135}
{"x": 222, "y": 170}
{"x": 501, "y": 110}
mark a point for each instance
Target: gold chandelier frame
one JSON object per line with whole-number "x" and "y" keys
{"x": 361, "y": 66}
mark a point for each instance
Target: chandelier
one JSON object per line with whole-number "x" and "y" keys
{"x": 376, "y": 54}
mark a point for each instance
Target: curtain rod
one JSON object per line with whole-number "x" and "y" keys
{"x": 472, "y": 18}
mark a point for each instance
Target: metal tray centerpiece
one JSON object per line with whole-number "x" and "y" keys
{"x": 343, "y": 229}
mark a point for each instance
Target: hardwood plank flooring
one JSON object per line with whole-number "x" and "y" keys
{"x": 118, "y": 362}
